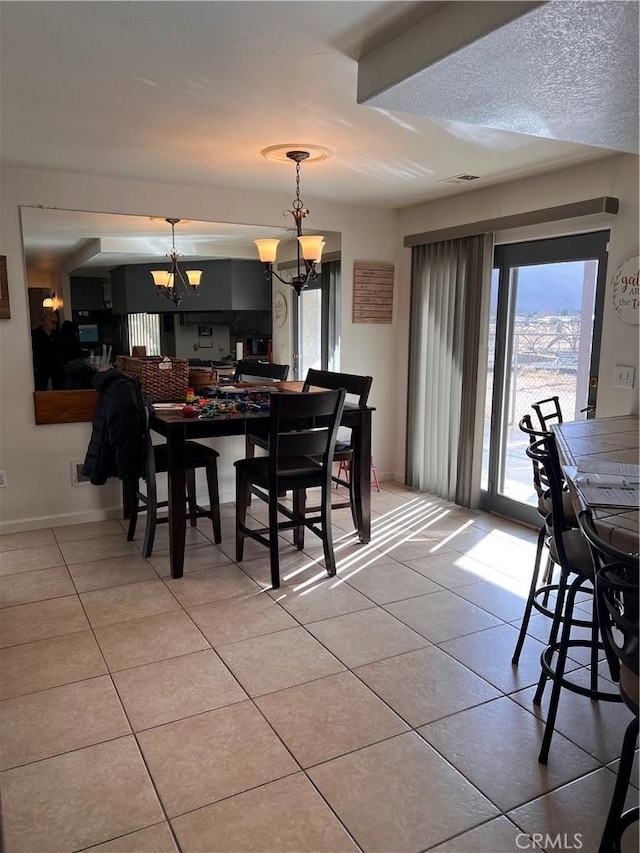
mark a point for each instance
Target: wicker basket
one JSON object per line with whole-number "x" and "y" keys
{"x": 200, "y": 377}
{"x": 162, "y": 379}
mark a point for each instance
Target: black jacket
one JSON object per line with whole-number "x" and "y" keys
{"x": 118, "y": 440}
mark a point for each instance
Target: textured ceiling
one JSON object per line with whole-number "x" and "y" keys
{"x": 191, "y": 92}
{"x": 560, "y": 70}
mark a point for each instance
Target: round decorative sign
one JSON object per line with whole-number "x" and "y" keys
{"x": 279, "y": 309}
{"x": 625, "y": 294}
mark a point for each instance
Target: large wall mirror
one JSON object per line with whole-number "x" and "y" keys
{"x": 92, "y": 296}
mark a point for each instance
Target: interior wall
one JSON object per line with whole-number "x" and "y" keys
{"x": 37, "y": 459}
{"x": 615, "y": 176}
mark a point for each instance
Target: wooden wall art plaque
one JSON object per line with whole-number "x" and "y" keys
{"x": 372, "y": 292}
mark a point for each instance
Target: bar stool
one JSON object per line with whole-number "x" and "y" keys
{"x": 569, "y": 550}
{"x": 617, "y": 607}
{"x": 541, "y": 581}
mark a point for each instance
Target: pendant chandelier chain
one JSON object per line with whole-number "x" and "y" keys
{"x": 308, "y": 248}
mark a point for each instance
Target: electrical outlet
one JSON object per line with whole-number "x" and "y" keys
{"x": 3, "y": 480}
{"x": 624, "y": 376}
{"x": 77, "y": 477}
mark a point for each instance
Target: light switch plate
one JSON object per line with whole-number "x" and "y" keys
{"x": 625, "y": 376}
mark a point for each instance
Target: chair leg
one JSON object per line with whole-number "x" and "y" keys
{"x": 211, "y": 469}
{"x": 327, "y": 532}
{"x": 132, "y": 509}
{"x": 191, "y": 496}
{"x": 152, "y": 511}
{"x": 559, "y": 670}
{"x": 532, "y": 591}
{"x": 547, "y": 580}
{"x": 343, "y": 469}
{"x": 374, "y": 471}
{"x": 553, "y": 634}
{"x": 249, "y": 452}
{"x": 616, "y": 822}
{"x": 299, "y": 504}
{"x": 242, "y": 494}
{"x": 129, "y": 487}
{"x": 274, "y": 553}
{"x": 352, "y": 498}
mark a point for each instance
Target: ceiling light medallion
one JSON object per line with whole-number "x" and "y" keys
{"x": 308, "y": 248}
{"x": 172, "y": 282}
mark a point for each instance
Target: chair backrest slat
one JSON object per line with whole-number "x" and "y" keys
{"x": 548, "y": 412}
{"x": 247, "y": 370}
{"x": 544, "y": 452}
{"x": 304, "y": 424}
{"x": 354, "y": 385}
{"x": 540, "y": 482}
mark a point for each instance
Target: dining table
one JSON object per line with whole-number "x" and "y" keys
{"x": 177, "y": 428}
{"x": 610, "y": 439}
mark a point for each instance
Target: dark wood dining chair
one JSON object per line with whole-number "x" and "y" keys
{"x": 301, "y": 440}
{"x": 157, "y": 462}
{"x": 617, "y": 596}
{"x": 357, "y": 390}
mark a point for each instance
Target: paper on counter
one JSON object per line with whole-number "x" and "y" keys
{"x": 614, "y": 496}
{"x": 600, "y": 473}
{"x": 604, "y": 483}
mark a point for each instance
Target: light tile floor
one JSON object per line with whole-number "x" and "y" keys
{"x": 375, "y": 711}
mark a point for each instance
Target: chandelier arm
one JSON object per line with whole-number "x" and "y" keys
{"x": 298, "y": 282}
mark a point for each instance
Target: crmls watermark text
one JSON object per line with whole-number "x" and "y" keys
{"x": 559, "y": 841}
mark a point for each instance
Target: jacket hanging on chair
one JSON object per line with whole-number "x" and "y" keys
{"x": 117, "y": 445}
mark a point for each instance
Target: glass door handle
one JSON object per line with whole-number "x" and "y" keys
{"x": 590, "y": 409}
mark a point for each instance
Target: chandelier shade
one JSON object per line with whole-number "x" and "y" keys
{"x": 172, "y": 282}
{"x": 308, "y": 247}
{"x": 267, "y": 250}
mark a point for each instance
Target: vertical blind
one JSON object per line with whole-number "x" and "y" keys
{"x": 446, "y": 296}
{"x": 144, "y": 330}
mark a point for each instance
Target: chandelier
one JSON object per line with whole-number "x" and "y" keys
{"x": 172, "y": 282}
{"x": 308, "y": 248}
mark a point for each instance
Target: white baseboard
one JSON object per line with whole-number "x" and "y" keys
{"x": 64, "y": 519}
{"x": 61, "y": 520}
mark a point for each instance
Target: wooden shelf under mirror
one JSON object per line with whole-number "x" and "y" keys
{"x": 64, "y": 407}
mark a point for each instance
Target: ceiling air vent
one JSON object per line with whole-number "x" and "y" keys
{"x": 460, "y": 179}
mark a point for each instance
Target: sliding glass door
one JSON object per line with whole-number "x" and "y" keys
{"x": 544, "y": 340}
